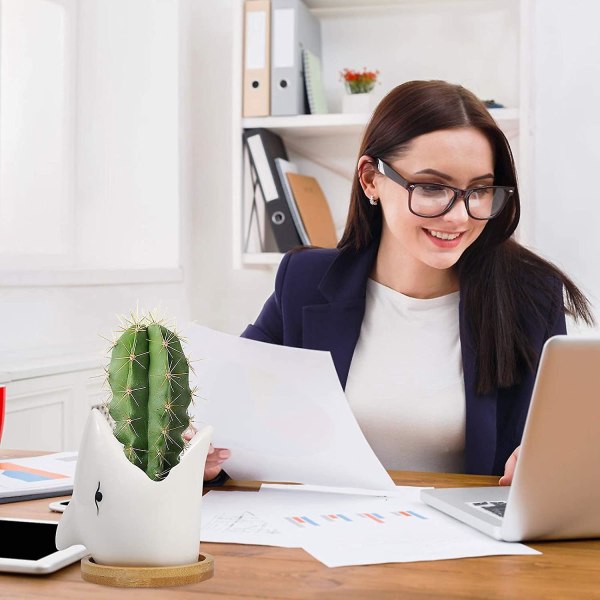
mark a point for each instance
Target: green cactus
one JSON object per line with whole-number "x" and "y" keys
{"x": 149, "y": 379}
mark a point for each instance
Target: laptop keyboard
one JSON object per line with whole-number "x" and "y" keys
{"x": 496, "y": 507}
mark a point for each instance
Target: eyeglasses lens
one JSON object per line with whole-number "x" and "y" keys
{"x": 433, "y": 200}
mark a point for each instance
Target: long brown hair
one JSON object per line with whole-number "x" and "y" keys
{"x": 501, "y": 282}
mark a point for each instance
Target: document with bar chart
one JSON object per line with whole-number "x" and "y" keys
{"x": 37, "y": 476}
{"x": 343, "y": 528}
{"x": 390, "y": 531}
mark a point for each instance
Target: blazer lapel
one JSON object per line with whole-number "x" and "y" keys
{"x": 336, "y": 328}
{"x": 335, "y": 325}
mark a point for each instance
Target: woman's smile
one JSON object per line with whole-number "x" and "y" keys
{"x": 444, "y": 239}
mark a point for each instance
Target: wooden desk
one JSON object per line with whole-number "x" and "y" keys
{"x": 564, "y": 570}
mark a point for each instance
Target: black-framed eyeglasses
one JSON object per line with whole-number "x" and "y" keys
{"x": 435, "y": 199}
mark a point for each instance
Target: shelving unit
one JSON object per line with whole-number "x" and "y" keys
{"x": 404, "y": 39}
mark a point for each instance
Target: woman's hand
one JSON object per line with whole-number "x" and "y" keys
{"x": 215, "y": 459}
{"x": 509, "y": 468}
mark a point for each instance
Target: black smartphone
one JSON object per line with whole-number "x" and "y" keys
{"x": 28, "y": 546}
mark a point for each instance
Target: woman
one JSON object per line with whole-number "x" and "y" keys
{"x": 434, "y": 315}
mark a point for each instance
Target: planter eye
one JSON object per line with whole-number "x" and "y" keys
{"x": 98, "y": 498}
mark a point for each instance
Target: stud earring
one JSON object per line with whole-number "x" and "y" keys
{"x": 373, "y": 200}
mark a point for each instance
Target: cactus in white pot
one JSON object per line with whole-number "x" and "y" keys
{"x": 137, "y": 497}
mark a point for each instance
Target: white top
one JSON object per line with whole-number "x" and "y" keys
{"x": 405, "y": 384}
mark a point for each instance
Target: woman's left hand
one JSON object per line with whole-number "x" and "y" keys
{"x": 509, "y": 468}
{"x": 215, "y": 458}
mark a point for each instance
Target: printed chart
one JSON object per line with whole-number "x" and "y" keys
{"x": 27, "y": 474}
{"x": 344, "y": 529}
{"x": 244, "y": 523}
{"x": 38, "y": 475}
{"x": 319, "y": 520}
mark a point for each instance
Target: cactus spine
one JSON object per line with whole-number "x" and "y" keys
{"x": 149, "y": 379}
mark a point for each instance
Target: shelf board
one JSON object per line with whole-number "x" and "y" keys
{"x": 504, "y": 114}
{"x": 361, "y": 4}
{"x": 341, "y": 123}
{"x": 333, "y": 4}
{"x": 311, "y": 125}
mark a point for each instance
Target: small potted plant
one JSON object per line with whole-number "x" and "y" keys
{"x": 358, "y": 85}
{"x": 137, "y": 493}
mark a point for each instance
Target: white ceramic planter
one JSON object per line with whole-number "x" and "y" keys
{"x": 357, "y": 103}
{"x": 123, "y": 517}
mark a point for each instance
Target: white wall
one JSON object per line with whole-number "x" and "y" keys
{"x": 566, "y": 139}
{"x": 69, "y": 319}
{"x": 221, "y": 297}
{"x": 127, "y": 134}
{"x": 133, "y": 184}
{"x": 489, "y": 41}
{"x": 37, "y": 75}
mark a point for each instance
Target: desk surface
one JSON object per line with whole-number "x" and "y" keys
{"x": 564, "y": 570}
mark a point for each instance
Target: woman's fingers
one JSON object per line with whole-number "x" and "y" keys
{"x": 214, "y": 461}
{"x": 215, "y": 457}
{"x": 189, "y": 433}
{"x": 509, "y": 468}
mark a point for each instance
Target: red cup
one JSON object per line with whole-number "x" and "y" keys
{"x": 2, "y": 402}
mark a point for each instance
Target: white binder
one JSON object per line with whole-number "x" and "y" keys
{"x": 293, "y": 28}
{"x": 257, "y": 56}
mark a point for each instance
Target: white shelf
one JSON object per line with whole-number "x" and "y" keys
{"x": 346, "y": 5}
{"x": 342, "y": 4}
{"x": 502, "y": 115}
{"x": 508, "y": 120}
{"x": 300, "y": 126}
{"x": 311, "y": 125}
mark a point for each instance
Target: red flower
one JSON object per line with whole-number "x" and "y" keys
{"x": 358, "y": 82}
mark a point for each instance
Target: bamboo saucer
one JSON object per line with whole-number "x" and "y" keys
{"x": 121, "y": 576}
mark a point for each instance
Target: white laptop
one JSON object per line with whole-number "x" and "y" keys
{"x": 555, "y": 493}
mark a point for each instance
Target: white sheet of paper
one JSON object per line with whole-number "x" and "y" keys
{"x": 345, "y": 529}
{"x": 263, "y": 517}
{"x": 242, "y": 518}
{"x": 37, "y": 474}
{"x": 404, "y": 491}
{"x": 402, "y": 532}
{"x": 332, "y": 554}
{"x": 281, "y": 411}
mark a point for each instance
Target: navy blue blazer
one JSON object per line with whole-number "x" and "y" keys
{"x": 319, "y": 303}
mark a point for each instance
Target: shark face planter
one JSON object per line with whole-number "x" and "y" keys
{"x": 123, "y": 517}
{"x": 137, "y": 496}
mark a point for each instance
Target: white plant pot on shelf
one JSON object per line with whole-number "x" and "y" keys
{"x": 357, "y": 103}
